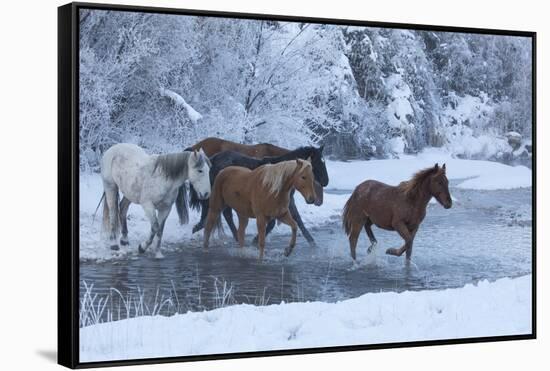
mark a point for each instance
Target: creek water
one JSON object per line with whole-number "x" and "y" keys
{"x": 486, "y": 235}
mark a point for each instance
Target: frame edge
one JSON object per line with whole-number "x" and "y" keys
{"x": 67, "y": 330}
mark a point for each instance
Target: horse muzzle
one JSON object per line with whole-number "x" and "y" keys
{"x": 310, "y": 200}
{"x": 318, "y": 193}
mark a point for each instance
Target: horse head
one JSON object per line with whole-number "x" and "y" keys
{"x": 303, "y": 180}
{"x": 439, "y": 186}
{"x": 319, "y": 172}
{"x": 199, "y": 169}
{"x": 319, "y": 167}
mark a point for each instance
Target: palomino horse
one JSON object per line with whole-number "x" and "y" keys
{"x": 231, "y": 158}
{"x": 151, "y": 181}
{"x": 263, "y": 193}
{"x": 401, "y": 208}
{"x": 212, "y": 146}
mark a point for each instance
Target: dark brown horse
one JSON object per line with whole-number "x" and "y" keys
{"x": 401, "y": 208}
{"x": 211, "y": 146}
{"x": 262, "y": 193}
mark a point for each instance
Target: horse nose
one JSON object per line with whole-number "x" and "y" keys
{"x": 311, "y": 200}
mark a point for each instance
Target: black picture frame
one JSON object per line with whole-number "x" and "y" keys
{"x": 68, "y": 185}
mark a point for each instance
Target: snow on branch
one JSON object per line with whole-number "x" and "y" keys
{"x": 194, "y": 116}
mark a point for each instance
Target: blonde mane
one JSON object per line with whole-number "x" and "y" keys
{"x": 274, "y": 175}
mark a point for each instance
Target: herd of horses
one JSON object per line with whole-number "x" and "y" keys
{"x": 256, "y": 181}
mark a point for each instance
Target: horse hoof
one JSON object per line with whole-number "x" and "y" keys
{"x": 288, "y": 251}
{"x": 195, "y": 229}
{"x": 124, "y": 242}
{"x": 114, "y": 247}
{"x": 391, "y": 252}
{"x": 141, "y": 249}
{"x": 159, "y": 255}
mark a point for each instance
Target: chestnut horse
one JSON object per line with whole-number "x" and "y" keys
{"x": 262, "y": 193}
{"x": 401, "y": 208}
{"x": 212, "y": 145}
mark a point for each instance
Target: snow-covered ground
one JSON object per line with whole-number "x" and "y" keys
{"x": 344, "y": 176}
{"x": 475, "y": 174}
{"x": 502, "y": 307}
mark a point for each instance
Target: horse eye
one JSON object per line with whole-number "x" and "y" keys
{"x": 200, "y": 171}
{"x": 303, "y": 177}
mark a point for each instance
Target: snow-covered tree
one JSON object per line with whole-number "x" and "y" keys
{"x": 167, "y": 81}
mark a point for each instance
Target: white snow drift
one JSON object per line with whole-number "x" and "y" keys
{"x": 488, "y": 309}
{"x": 475, "y": 174}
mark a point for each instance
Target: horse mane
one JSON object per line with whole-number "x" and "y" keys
{"x": 173, "y": 164}
{"x": 273, "y": 176}
{"x": 300, "y": 152}
{"x": 411, "y": 188}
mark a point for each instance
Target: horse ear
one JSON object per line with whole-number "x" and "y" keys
{"x": 308, "y": 159}
{"x": 443, "y": 168}
{"x": 436, "y": 166}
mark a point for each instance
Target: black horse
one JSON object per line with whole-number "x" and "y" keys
{"x": 230, "y": 158}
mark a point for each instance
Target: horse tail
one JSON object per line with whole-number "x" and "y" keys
{"x": 98, "y": 205}
{"x": 181, "y": 205}
{"x": 216, "y": 203}
{"x": 347, "y": 215}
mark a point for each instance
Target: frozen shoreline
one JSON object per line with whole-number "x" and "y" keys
{"x": 344, "y": 177}
{"x": 495, "y": 308}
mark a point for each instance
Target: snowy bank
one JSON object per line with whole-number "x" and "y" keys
{"x": 476, "y": 174}
{"x": 486, "y": 309}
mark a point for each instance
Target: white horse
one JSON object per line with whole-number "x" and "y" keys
{"x": 151, "y": 181}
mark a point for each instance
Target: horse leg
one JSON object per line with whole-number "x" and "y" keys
{"x": 353, "y": 237}
{"x": 372, "y": 239}
{"x": 269, "y": 228}
{"x": 162, "y": 215}
{"x": 243, "y": 222}
{"x": 213, "y": 215}
{"x": 408, "y": 254}
{"x": 228, "y": 215}
{"x": 405, "y": 234}
{"x": 123, "y": 206}
{"x": 296, "y": 216}
{"x": 204, "y": 213}
{"x": 287, "y": 219}
{"x": 111, "y": 199}
{"x": 261, "y": 223}
{"x": 150, "y": 213}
